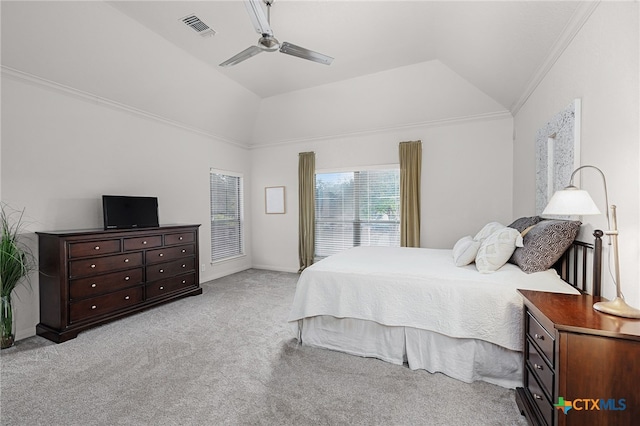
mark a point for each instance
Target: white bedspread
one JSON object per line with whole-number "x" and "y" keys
{"x": 421, "y": 288}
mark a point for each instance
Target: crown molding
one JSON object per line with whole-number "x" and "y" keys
{"x": 578, "y": 19}
{"x": 498, "y": 115}
{"x": 71, "y": 91}
{"x": 86, "y": 96}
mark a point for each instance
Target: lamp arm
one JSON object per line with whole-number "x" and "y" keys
{"x": 613, "y": 231}
{"x": 606, "y": 194}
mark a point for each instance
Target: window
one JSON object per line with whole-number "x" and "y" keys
{"x": 360, "y": 208}
{"x": 226, "y": 215}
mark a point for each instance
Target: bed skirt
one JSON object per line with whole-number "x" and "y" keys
{"x": 467, "y": 360}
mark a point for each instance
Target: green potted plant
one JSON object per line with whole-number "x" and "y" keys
{"x": 16, "y": 263}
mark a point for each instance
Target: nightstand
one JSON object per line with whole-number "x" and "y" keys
{"x": 584, "y": 357}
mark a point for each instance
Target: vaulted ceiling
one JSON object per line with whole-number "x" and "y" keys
{"x": 499, "y": 46}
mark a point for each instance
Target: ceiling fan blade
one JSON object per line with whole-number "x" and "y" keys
{"x": 244, "y": 55}
{"x": 258, "y": 19}
{"x": 301, "y": 52}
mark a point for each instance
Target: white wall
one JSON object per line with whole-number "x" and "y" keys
{"x": 93, "y": 47}
{"x": 467, "y": 151}
{"x": 416, "y": 94}
{"x": 466, "y": 182}
{"x": 85, "y": 113}
{"x": 61, "y": 153}
{"x": 601, "y": 67}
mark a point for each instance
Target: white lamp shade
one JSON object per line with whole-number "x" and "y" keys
{"x": 571, "y": 201}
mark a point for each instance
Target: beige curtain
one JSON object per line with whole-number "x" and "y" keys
{"x": 410, "y": 167}
{"x": 307, "y": 209}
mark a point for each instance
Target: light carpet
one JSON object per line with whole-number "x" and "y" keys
{"x": 227, "y": 357}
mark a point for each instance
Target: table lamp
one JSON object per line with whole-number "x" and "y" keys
{"x": 573, "y": 201}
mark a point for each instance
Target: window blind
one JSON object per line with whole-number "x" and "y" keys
{"x": 359, "y": 208}
{"x": 226, "y": 216}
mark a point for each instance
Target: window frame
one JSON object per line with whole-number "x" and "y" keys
{"x": 240, "y": 220}
{"x": 353, "y": 169}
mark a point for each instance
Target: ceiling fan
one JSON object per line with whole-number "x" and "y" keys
{"x": 268, "y": 43}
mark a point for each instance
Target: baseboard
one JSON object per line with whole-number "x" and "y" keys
{"x": 275, "y": 268}
{"x": 25, "y": 333}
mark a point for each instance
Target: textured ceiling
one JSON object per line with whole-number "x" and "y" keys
{"x": 497, "y": 46}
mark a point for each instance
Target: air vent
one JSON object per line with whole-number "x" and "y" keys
{"x": 198, "y": 26}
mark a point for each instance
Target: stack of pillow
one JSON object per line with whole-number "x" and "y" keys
{"x": 532, "y": 243}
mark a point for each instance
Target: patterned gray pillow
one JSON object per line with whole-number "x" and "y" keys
{"x": 544, "y": 244}
{"x": 525, "y": 222}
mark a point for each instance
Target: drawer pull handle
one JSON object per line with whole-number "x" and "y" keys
{"x": 126, "y": 298}
{"x": 184, "y": 281}
{"x": 184, "y": 251}
{"x": 93, "y": 285}
{"x": 161, "y": 254}
{"x": 144, "y": 243}
{"x": 127, "y": 278}
{"x": 184, "y": 266}
{"x": 93, "y": 265}
{"x": 180, "y": 238}
{"x": 538, "y": 367}
{"x": 96, "y": 248}
{"x": 126, "y": 261}
{"x": 536, "y": 396}
{"x": 161, "y": 271}
{"x": 93, "y": 306}
{"x": 539, "y": 336}
{"x": 161, "y": 288}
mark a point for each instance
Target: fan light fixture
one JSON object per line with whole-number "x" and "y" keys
{"x": 576, "y": 202}
{"x": 267, "y": 41}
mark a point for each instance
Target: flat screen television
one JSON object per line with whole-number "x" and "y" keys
{"x": 125, "y": 212}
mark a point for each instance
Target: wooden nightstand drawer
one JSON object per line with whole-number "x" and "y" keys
{"x": 92, "y": 286}
{"x": 78, "y": 268}
{"x": 100, "y": 305}
{"x": 541, "y": 337}
{"x": 539, "y": 366}
{"x": 93, "y": 248}
{"x": 169, "y": 253}
{"x": 539, "y": 398}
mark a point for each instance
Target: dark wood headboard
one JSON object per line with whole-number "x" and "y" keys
{"x": 574, "y": 263}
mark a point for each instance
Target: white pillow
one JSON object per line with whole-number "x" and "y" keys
{"x": 465, "y": 251}
{"x": 496, "y": 249}
{"x": 487, "y": 230}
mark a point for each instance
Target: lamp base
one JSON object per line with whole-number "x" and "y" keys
{"x": 617, "y": 307}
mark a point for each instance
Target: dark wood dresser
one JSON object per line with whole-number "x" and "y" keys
{"x": 587, "y": 358}
{"x": 89, "y": 277}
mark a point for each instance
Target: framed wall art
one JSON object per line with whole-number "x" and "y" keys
{"x": 557, "y": 153}
{"x": 274, "y": 200}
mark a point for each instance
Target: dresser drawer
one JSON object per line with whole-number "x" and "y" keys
{"x": 97, "y": 265}
{"x": 539, "y": 398}
{"x": 181, "y": 238}
{"x": 540, "y": 368}
{"x": 541, "y": 337}
{"x": 93, "y": 248}
{"x": 88, "y": 287}
{"x": 140, "y": 243}
{"x": 162, "y": 287}
{"x": 169, "y": 269}
{"x": 169, "y": 253}
{"x": 105, "y": 304}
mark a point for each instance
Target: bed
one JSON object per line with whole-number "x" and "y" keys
{"x": 415, "y": 306}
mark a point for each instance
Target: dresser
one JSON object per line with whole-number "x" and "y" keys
{"x": 587, "y": 358}
{"x": 90, "y": 277}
